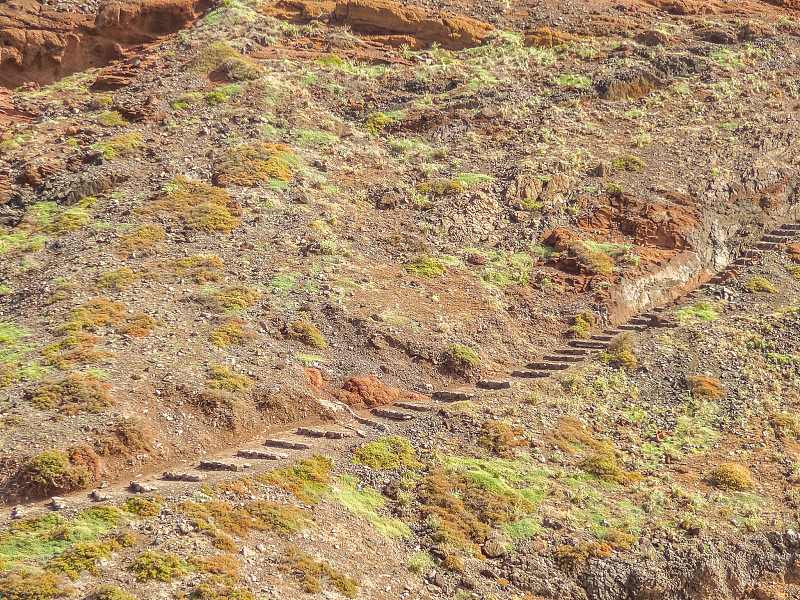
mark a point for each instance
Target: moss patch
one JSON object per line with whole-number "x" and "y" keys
{"x": 387, "y": 453}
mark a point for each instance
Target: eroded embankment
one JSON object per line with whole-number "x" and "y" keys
{"x": 41, "y": 45}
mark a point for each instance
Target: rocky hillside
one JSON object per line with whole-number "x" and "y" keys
{"x": 451, "y": 258}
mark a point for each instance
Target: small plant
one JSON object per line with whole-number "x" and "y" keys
{"x": 308, "y": 571}
{"x": 307, "y": 479}
{"x": 228, "y": 333}
{"x": 596, "y": 262}
{"x": 453, "y": 563}
{"x": 704, "y": 387}
{"x": 116, "y": 280}
{"x": 236, "y": 298}
{"x": 110, "y": 118}
{"x": 221, "y": 378}
{"x": 138, "y": 325}
{"x": 152, "y": 565}
{"x": 620, "y": 352}
{"x": 107, "y": 591}
{"x": 500, "y": 438}
{"x": 441, "y": 188}
{"x": 24, "y": 584}
{"x": 570, "y": 557}
{"x": 72, "y": 394}
{"x": 211, "y": 58}
{"x": 581, "y": 325}
{"x": 759, "y": 284}
{"x": 425, "y": 266}
{"x": 628, "y": 162}
{"x": 607, "y": 468}
{"x": 122, "y": 145}
{"x": 199, "y": 206}
{"x": 731, "y": 476}
{"x": 306, "y": 333}
{"x": 376, "y": 122}
{"x": 387, "y": 453}
{"x": 144, "y": 237}
{"x": 142, "y": 507}
{"x": 260, "y": 162}
{"x": 461, "y": 359}
{"x": 200, "y": 268}
{"x": 83, "y": 556}
{"x": 702, "y": 311}
{"x": 52, "y": 471}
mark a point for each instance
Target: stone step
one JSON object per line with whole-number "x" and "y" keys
{"x": 564, "y": 359}
{"x": 142, "y": 488}
{"x": 765, "y": 245}
{"x": 364, "y": 421}
{"x": 258, "y": 455}
{"x": 640, "y": 321}
{"x": 657, "y": 309}
{"x": 322, "y": 433}
{"x": 599, "y": 337}
{"x": 546, "y": 366}
{"x": 488, "y": 384}
{"x": 775, "y": 239}
{"x": 612, "y": 332}
{"x": 790, "y": 227}
{"x": 742, "y": 261}
{"x": 215, "y": 465}
{"x": 169, "y": 476}
{"x": 531, "y": 374}
{"x": 396, "y": 415}
{"x": 633, "y": 327}
{"x": 571, "y": 351}
{"x": 286, "y": 444}
{"x": 412, "y": 406}
{"x": 587, "y": 344}
{"x": 445, "y": 396}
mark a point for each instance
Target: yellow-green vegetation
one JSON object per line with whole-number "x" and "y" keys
{"x": 441, "y": 188}
{"x": 106, "y": 591}
{"x": 236, "y": 298}
{"x": 70, "y": 219}
{"x": 570, "y": 556}
{"x": 419, "y": 561}
{"x": 425, "y": 266}
{"x": 702, "y": 311}
{"x": 607, "y": 467}
{"x": 138, "y": 325}
{"x": 187, "y": 100}
{"x": 110, "y": 118}
{"x": 581, "y": 325}
{"x": 99, "y": 312}
{"x": 461, "y": 359}
{"x": 794, "y": 271}
{"x": 143, "y": 507}
{"x": 219, "y": 589}
{"x": 376, "y": 122}
{"x": 306, "y": 333}
{"x": 501, "y": 438}
{"x": 212, "y": 57}
{"x": 308, "y": 479}
{"x": 72, "y": 394}
{"x": 504, "y": 268}
{"x": 153, "y": 565}
{"x": 628, "y": 162}
{"x": 387, "y": 453}
{"x": 200, "y": 268}
{"x": 309, "y": 572}
{"x": 222, "y": 378}
{"x": 620, "y": 352}
{"x": 74, "y": 348}
{"x": 23, "y": 584}
{"x": 453, "y": 563}
{"x": 731, "y": 476}
{"x": 117, "y": 279}
{"x": 214, "y": 516}
{"x": 704, "y": 387}
{"x": 143, "y": 237}
{"x": 59, "y": 471}
{"x": 127, "y": 436}
{"x": 595, "y": 261}
{"x": 227, "y": 334}
{"x": 197, "y": 205}
{"x": 83, "y": 556}
{"x": 121, "y": 145}
{"x": 759, "y": 284}
{"x": 261, "y": 162}
{"x": 365, "y": 503}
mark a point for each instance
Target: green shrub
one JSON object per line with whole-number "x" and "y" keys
{"x": 142, "y": 507}
{"x": 704, "y": 387}
{"x": 307, "y": 479}
{"x": 152, "y": 565}
{"x": 109, "y": 592}
{"x": 52, "y": 471}
{"x": 461, "y": 359}
{"x": 110, "y": 118}
{"x": 22, "y": 584}
{"x": 607, "y": 468}
{"x": 620, "y": 353}
{"x": 83, "y": 556}
{"x": 581, "y": 325}
{"x": 425, "y": 266}
{"x": 387, "y": 453}
{"x": 308, "y": 571}
{"x": 72, "y": 394}
{"x": 628, "y": 163}
{"x": 500, "y": 438}
{"x": 221, "y": 378}
{"x": 731, "y": 476}
{"x": 759, "y": 284}
{"x": 306, "y": 333}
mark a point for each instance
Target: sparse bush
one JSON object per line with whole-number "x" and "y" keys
{"x": 759, "y": 284}
{"x": 72, "y": 394}
{"x": 122, "y": 145}
{"x": 236, "y": 298}
{"x": 500, "y": 438}
{"x": 23, "y": 584}
{"x": 152, "y": 565}
{"x": 138, "y": 325}
{"x": 581, "y": 324}
{"x": 620, "y": 352}
{"x": 51, "y": 471}
{"x": 227, "y": 334}
{"x": 221, "y": 378}
{"x": 259, "y": 515}
{"x": 99, "y": 312}
{"x": 199, "y": 268}
{"x": 453, "y": 563}
{"x": 628, "y": 162}
{"x": 308, "y": 571}
{"x": 143, "y": 237}
{"x": 704, "y": 387}
{"x": 110, "y": 118}
{"x": 425, "y": 266}
{"x": 142, "y": 507}
{"x": 731, "y": 476}
{"x": 619, "y": 540}
{"x": 117, "y": 280}
{"x": 441, "y": 188}
{"x": 211, "y": 57}
{"x": 306, "y": 333}
{"x": 597, "y": 263}
{"x": 107, "y": 591}
{"x": 387, "y": 453}
{"x": 461, "y": 360}
{"x": 607, "y": 468}
{"x": 570, "y": 557}
{"x": 83, "y": 556}
{"x": 307, "y": 479}
{"x": 256, "y": 163}
{"x": 128, "y": 437}
{"x": 199, "y": 206}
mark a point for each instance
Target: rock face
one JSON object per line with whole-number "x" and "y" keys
{"x": 371, "y": 391}
{"x": 383, "y": 17}
{"x": 41, "y": 45}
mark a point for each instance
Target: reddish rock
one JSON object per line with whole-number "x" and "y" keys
{"x": 370, "y": 391}
{"x": 561, "y": 238}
